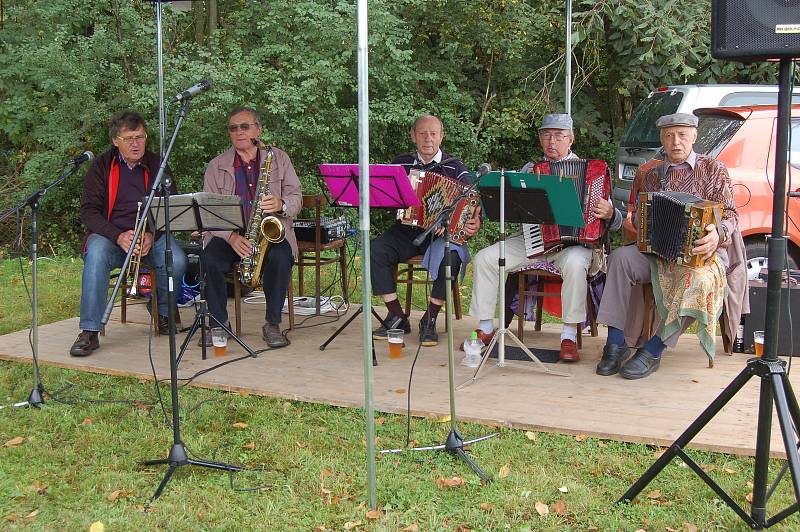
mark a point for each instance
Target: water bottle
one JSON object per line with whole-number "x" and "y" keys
{"x": 472, "y": 350}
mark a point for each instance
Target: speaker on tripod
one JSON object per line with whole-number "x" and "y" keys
{"x": 755, "y": 30}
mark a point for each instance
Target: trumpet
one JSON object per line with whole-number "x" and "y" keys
{"x": 132, "y": 274}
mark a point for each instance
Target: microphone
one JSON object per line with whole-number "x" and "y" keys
{"x": 483, "y": 169}
{"x": 200, "y": 86}
{"x": 82, "y": 158}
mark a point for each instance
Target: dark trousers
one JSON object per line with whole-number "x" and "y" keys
{"x": 219, "y": 259}
{"x": 396, "y": 245}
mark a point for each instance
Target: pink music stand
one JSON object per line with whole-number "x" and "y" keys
{"x": 389, "y": 186}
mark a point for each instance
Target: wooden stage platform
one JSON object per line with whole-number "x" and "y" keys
{"x": 654, "y": 410}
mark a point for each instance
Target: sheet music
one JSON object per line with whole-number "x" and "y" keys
{"x": 200, "y": 211}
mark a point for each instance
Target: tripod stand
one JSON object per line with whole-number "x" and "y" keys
{"x": 38, "y": 392}
{"x": 775, "y": 385}
{"x": 454, "y": 444}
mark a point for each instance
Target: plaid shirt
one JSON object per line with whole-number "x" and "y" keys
{"x": 246, "y": 174}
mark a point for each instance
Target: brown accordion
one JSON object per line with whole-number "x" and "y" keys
{"x": 670, "y": 222}
{"x": 436, "y": 192}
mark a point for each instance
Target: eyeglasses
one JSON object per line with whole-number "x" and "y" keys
{"x": 243, "y": 127}
{"x": 132, "y": 139}
{"x": 553, "y": 136}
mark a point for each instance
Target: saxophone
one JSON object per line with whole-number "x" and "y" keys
{"x": 261, "y": 230}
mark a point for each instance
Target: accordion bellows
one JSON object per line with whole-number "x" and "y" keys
{"x": 670, "y": 222}
{"x": 437, "y": 192}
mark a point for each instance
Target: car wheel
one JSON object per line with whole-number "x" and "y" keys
{"x": 757, "y": 257}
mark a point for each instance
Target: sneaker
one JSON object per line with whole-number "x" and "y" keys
{"x": 273, "y": 336}
{"x": 391, "y": 322}
{"x": 86, "y": 342}
{"x": 427, "y": 333}
{"x": 163, "y": 321}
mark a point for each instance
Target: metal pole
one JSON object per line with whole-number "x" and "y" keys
{"x": 363, "y": 213}
{"x": 568, "y": 80}
{"x": 162, "y": 111}
{"x": 501, "y": 350}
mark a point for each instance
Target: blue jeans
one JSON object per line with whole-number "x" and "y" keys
{"x": 102, "y": 255}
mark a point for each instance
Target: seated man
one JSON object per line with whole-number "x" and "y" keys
{"x": 396, "y": 245}
{"x": 682, "y": 294}
{"x": 112, "y": 188}
{"x": 556, "y": 138}
{"x": 236, "y": 172}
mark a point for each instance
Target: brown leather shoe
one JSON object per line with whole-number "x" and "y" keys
{"x": 86, "y": 342}
{"x": 569, "y": 351}
{"x": 482, "y": 336}
{"x": 273, "y": 336}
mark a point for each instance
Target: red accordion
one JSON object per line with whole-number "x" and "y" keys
{"x": 437, "y": 192}
{"x": 592, "y": 181}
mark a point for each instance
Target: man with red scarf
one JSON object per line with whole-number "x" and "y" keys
{"x": 113, "y": 186}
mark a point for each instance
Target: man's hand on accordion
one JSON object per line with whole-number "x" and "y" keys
{"x": 603, "y": 209}
{"x": 473, "y": 225}
{"x": 707, "y": 245}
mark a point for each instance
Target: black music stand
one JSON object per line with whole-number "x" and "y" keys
{"x": 390, "y": 188}
{"x": 203, "y": 211}
{"x": 524, "y": 198}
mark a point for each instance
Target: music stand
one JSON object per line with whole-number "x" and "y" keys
{"x": 203, "y": 211}
{"x": 530, "y": 199}
{"x": 389, "y": 188}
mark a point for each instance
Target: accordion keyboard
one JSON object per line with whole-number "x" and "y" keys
{"x": 534, "y": 242}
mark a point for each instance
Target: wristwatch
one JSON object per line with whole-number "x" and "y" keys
{"x": 724, "y": 234}
{"x": 283, "y": 208}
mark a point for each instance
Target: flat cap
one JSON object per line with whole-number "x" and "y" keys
{"x": 677, "y": 119}
{"x": 556, "y": 121}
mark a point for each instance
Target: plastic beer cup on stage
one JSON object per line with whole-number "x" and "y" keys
{"x": 395, "y": 343}
{"x": 758, "y": 342}
{"x": 220, "y": 340}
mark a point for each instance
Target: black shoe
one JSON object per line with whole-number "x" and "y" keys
{"x": 273, "y": 336}
{"x": 163, "y": 321}
{"x": 641, "y": 364}
{"x": 427, "y": 333}
{"x": 391, "y": 322}
{"x": 207, "y": 337}
{"x": 613, "y": 356}
{"x": 86, "y": 342}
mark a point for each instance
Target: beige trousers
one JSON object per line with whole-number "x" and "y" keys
{"x": 574, "y": 263}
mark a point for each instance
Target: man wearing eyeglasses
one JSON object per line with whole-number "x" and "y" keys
{"x": 236, "y": 172}
{"x": 555, "y": 137}
{"x": 113, "y": 186}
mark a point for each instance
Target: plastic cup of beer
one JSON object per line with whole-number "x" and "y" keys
{"x": 219, "y": 338}
{"x": 758, "y": 342}
{"x": 395, "y": 343}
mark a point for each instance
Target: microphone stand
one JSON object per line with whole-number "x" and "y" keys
{"x": 454, "y": 444}
{"x": 178, "y": 455}
{"x": 38, "y": 392}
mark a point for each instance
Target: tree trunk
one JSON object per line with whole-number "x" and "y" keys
{"x": 212, "y": 15}
{"x": 199, "y": 22}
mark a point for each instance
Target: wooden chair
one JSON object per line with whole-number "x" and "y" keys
{"x": 310, "y": 252}
{"x": 233, "y": 278}
{"x": 539, "y": 292}
{"x": 123, "y": 289}
{"x": 405, "y": 274}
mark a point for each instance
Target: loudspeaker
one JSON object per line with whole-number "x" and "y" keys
{"x": 789, "y": 329}
{"x": 755, "y": 30}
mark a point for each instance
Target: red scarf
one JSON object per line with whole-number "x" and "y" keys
{"x": 113, "y": 184}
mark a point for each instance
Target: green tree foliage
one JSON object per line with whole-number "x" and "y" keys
{"x": 489, "y": 69}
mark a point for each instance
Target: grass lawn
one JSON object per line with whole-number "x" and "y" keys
{"x": 76, "y": 461}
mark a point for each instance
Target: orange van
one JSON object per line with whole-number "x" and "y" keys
{"x": 744, "y": 139}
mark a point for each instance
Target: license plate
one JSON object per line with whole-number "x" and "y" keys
{"x": 629, "y": 171}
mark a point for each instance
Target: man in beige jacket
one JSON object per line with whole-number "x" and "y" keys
{"x": 236, "y": 172}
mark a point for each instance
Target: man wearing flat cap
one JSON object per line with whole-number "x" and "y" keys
{"x": 556, "y": 138}
{"x": 682, "y": 294}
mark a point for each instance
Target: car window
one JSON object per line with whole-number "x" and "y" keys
{"x": 794, "y": 147}
{"x": 642, "y": 131}
{"x": 714, "y": 132}
{"x": 753, "y": 98}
